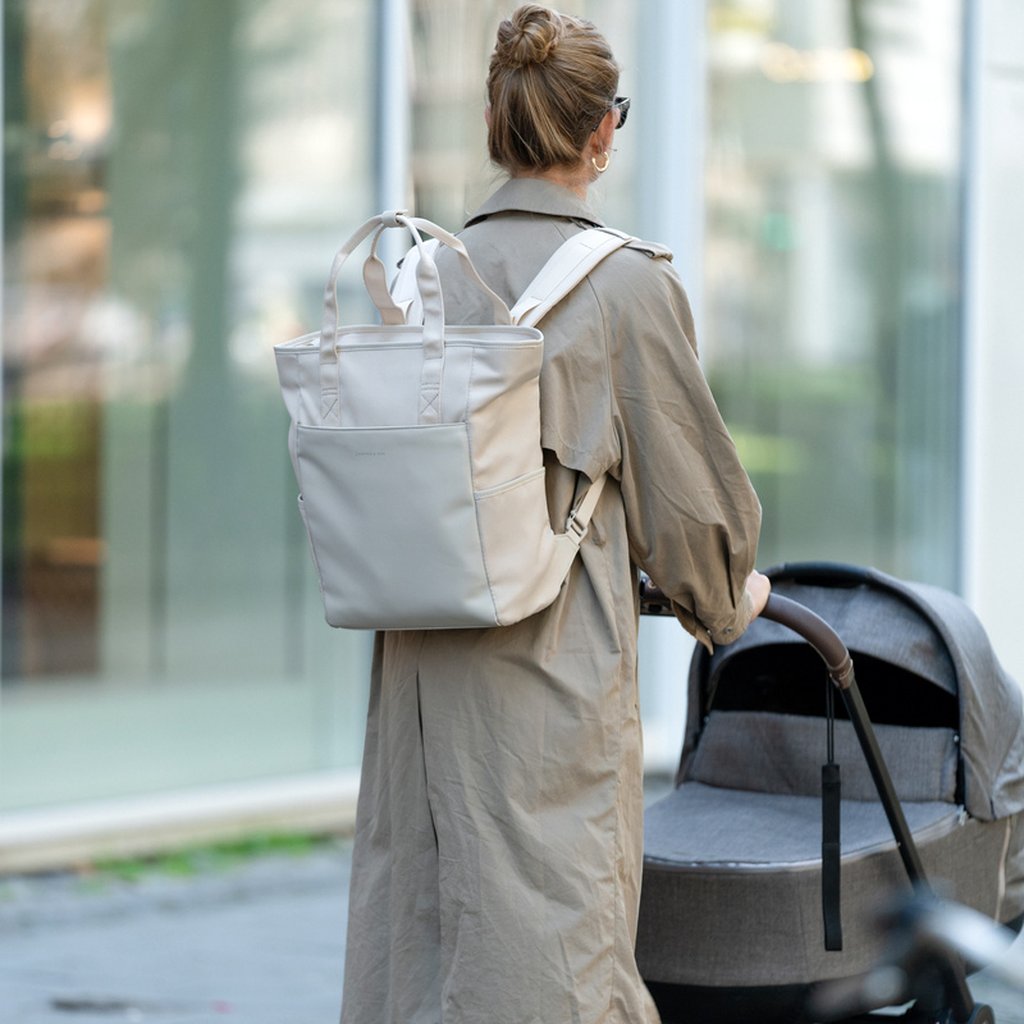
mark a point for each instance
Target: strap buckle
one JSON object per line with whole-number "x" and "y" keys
{"x": 574, "y": 528}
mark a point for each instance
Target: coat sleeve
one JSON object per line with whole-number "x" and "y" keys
{"x": 692, "y": 515}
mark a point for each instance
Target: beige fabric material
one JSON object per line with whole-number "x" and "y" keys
{"x": 499, "y": 839}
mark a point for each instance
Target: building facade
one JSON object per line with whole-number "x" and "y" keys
{"x": 836, "y": 178}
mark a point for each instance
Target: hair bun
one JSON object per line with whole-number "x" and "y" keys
{"x": 528, "y": 36}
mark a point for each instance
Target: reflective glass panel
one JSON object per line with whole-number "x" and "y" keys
{"x": 178, "y": 174}
{"x": 833, "y": 272}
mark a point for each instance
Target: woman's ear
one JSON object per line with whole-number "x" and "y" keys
{"x": 601, "y": 140}
{"x": 487, "y": 116}
{"x": 609, "y": 123}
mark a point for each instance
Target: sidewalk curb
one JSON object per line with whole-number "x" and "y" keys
{"x": 63, "y": 837}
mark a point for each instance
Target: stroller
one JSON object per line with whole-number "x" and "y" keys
{"x": 765, "y": 853}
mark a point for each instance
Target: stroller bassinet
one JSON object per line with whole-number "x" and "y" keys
{"x": 731, "y": 916}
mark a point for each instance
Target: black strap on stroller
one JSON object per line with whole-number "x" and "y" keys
{"x": 831, "y": 849}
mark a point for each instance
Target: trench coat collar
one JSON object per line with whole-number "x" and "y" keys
{"x": 534, "y": 195}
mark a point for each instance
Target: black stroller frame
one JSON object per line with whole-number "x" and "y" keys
{"x": 943, "y": 996}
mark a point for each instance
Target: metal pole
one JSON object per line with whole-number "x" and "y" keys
{"x": 393, "y": 101}
{"x": 972, "y": 315}
{"x": 672, "y": 123}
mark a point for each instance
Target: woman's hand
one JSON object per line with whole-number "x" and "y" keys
{"x": 759, "y": 587}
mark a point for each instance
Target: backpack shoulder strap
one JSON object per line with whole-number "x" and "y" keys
{"x": 574, "y": 259}
{"x": 571, "y": 262}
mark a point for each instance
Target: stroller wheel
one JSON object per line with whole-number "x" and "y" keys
{"x": 981, "y": 1014}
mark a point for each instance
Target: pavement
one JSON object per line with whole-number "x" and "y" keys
{"x": 259, "y": 941}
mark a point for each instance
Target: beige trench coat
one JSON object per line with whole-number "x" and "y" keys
{"x": 497, "y": 860}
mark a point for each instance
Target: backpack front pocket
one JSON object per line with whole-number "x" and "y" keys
{"x": 392, "y": 522}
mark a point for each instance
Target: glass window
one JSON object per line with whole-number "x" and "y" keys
{"x": 178, "y": 174}
{"x": 833, "y": 307}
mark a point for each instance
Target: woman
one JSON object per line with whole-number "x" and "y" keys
{"x": 499, "y": 837}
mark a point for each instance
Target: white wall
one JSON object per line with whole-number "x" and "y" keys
{"x": 994, "y": 353}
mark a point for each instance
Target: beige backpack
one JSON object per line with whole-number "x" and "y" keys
{"x": 417, "y": 449}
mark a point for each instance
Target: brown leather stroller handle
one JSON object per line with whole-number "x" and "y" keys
{"x": 805, "y": 623}
{"x": 817, "y": 632}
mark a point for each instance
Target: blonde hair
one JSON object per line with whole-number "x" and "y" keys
{"x": 552, "y": 78}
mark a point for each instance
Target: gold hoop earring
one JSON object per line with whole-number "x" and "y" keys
{"x": 601, "y": 168}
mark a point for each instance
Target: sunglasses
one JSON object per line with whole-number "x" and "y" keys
{"x": 621, "y": 104}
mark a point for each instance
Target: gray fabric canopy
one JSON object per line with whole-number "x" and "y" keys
{"x": 919, "y": 628}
